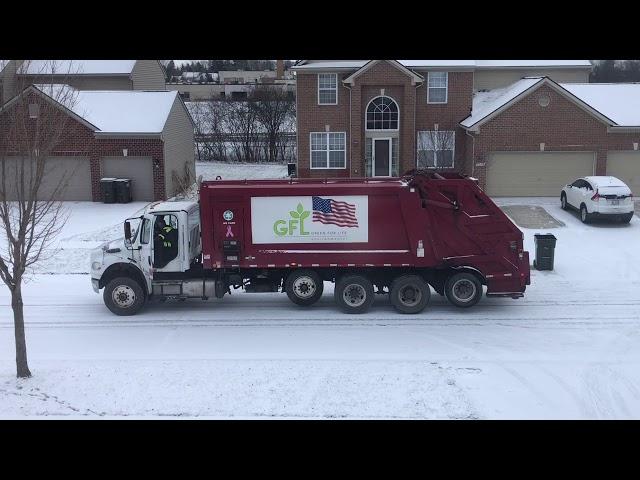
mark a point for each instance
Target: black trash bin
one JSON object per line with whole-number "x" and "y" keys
{"x": 545, "y": 250}
{"x": 108, "y": 190}
{"x": 123, "y": 190}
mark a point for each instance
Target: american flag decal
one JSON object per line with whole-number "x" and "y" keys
{"x": 332, "y": 212}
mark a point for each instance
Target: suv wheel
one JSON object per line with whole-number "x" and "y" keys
{"x": 563, "y": 201}
{"x": 585, "y": 217}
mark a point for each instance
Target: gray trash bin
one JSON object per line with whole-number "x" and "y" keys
{"x": 123, "y": 190}
{"x": 108, "y": 188}
{"x": 545, "y": 251}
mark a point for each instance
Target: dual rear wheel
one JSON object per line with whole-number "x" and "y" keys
{"x": 408, "y": 294}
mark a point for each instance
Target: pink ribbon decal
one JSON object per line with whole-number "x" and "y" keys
{"x": 229, "y": 232}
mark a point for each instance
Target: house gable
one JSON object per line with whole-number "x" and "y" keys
{"x": 414, "y": 77}
{"x": 514, "y": 95}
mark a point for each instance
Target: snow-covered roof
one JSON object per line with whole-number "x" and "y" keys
{"x": 532, "y": 64}
{"x": 485, "y": 103}
{"x": 119, "y": 111}
{"x": 618, "y": 104}
{"x": 466, "y": 64}
{"x": 79, "y": 67}
{"x": 618, "y": 101}
{"x": 605, "y": 181}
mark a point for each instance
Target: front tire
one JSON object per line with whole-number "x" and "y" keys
{"x": 409, "y": 294}
{"x": 585, "y": 217}
{"x": 124, "y": 296}
{"x": 463, "y": 289}
{"x": 304, "y": 287}
{"x": 354, "y": 294}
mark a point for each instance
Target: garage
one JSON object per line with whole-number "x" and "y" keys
{"x": 74, "y": 173}
{"x": 535, "y": 174}
{"x": 626, "y": 167}
{"x": 138, "y": 169}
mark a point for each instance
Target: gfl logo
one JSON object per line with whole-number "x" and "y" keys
{"x": 288, "y": 227}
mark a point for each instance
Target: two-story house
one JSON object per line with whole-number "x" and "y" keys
{"x": 522, "y": 127}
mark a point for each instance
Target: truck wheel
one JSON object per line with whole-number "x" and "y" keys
{"x": 463, "y": 289}
{"x": 304, "y": 287}
{"x": 124, "y": 296}
{"x": 409, "y": 294}
{"x": 354, "y": 293}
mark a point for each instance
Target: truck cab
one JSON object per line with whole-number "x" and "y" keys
{"x": 160, "y": 249}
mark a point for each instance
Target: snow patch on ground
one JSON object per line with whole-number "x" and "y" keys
{"x": 569, "y": 349}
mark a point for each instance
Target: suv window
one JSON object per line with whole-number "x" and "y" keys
{"x": 577, "y": 183}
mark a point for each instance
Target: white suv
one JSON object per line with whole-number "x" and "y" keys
{"x": 599, "y": 197}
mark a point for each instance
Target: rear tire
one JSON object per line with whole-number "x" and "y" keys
{"x": 563, "y": 201}
{"x": 304, "y": 287}
{"x": 409, "y": 294}
{"x": 585, "y": 216}
{"x": 463, "y": 289}
{"x": 354, "y": 294}
{"x": 627, "y": 218}
{"x": 124, "y": 296}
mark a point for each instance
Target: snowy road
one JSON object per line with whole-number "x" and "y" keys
{"x": 569, "y": 349}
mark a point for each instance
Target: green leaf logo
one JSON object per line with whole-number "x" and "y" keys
{"x": 304, "y": 215}
{"x": 293, "y": 214}
{"x": 300, "y": 209}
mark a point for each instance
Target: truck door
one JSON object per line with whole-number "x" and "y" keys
{"x": 144, "y": 255}
{"x": 228, "y": 232}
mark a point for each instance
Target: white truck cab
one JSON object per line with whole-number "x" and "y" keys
{"x": 148, "y": 261}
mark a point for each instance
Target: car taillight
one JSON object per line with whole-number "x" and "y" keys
{"x": 596, "y": 196}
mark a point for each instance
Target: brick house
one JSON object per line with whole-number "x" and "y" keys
{"x": 123, "y": 123}
{"x": 522, "y": 127}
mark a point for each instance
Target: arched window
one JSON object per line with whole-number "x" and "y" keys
{"x": 382, "y": 114}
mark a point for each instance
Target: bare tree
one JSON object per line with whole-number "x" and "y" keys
{"x": 32, "y": 126}
{"x": 242, "y": 131}
{"x": 273, "y": 107}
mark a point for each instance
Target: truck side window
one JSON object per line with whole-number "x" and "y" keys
{"x": 145, "y": 236}
{"x": 165, "y": 240}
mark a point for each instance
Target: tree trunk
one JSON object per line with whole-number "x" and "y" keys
{"x": 21, "y": 343}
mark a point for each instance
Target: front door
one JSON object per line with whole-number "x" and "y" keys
{"x": 381, "y": 157}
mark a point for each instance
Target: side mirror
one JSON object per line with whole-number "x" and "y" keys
{"x": 127, "y": 231}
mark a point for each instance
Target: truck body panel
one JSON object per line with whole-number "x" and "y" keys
{"x": 416, "y": 221}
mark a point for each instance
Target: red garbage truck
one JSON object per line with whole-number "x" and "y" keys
{"x": 393, "y": 236}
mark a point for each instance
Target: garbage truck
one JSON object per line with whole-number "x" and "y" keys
{"x": 400, "y": 237}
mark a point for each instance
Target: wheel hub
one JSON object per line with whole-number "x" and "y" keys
{"x": 354, "y": 295}
{"x": 464, "y": 290}
{"x": 123, "y": 296}
{"x": 410, "y": 295}
{"x": 304, "y": 287}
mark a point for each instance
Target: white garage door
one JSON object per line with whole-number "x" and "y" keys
{"x": 625, "y": 166}
{"x": 539, "y": 174}
{"x": 138, "y": 169}
{"x": 65, "y": 178}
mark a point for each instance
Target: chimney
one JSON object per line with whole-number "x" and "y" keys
{"x": 280, "y": 69}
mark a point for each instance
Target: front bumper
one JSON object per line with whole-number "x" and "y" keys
{"x": 95, "y": 283}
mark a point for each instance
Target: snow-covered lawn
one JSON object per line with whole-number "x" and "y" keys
{"x": 240, "y": 171}
{"x": 569, "y": 349}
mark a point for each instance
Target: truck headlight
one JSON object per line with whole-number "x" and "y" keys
{"x": 96, "y": 266}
